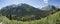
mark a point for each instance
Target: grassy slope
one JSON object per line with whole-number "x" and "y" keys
{"x": 52, "y": 19}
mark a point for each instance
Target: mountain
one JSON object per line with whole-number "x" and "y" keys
{"x": 49, "y": 8}
{"x": 51, "y": 19}
{"x": 25, "y": 12}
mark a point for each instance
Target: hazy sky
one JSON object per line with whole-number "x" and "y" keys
{"x": 35, "y": 3}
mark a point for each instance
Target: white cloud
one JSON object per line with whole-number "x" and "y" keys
{"x": 45, "y": 1}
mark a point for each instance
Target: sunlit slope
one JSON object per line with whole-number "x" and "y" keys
{"x": 52, "y": 19}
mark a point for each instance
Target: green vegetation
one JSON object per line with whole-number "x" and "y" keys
{"x": 26, "y": 14}
{"x": 52, "y": 19}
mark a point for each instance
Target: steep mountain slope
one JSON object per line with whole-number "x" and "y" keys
{"x": 24, "y": 12}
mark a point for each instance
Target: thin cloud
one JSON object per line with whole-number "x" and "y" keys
{"x": 45, "y": 1}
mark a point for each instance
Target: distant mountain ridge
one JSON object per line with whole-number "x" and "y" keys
{"x": 49, "y": 7}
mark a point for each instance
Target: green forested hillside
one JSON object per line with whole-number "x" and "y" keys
{"x": 51, "y": 19}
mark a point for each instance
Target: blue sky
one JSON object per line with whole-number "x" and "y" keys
{"x": 35, "y": 3}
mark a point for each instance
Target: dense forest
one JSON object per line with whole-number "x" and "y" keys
{"x": 26, "y": 14}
